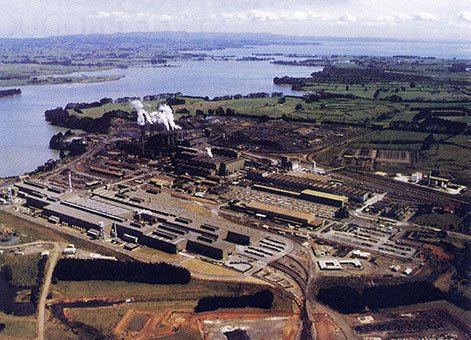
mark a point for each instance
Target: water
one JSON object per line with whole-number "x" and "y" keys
{"x": 24, "y": 134}
{"x": 449, "y": 50}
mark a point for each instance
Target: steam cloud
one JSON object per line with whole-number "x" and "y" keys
{"x": 209, "y": 152}
{"x": 163, "y": 116}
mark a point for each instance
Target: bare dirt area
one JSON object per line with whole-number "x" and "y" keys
{"x": 326, "y": 328}
{"x": 257, "y": 325}
{"x": 438, "y": 252}
{"x": 139, "y": 324}
{"x": 185, "y": 324}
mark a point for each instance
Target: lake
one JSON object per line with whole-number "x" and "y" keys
{"x": 25, "y": 135}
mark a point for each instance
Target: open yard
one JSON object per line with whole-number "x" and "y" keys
{"x": 153, "y": 310}
{"x": 17, "y": 327}
{"x": 27, "y": 231}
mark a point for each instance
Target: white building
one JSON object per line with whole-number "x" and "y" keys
{"x": 416, "y": 177}
{"x": 361, "y": 254}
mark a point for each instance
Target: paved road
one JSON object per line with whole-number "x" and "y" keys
{"x": 41, "y": 308}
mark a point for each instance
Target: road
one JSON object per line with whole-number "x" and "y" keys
{"x": 41, "y": 308}
{"x": 51, "y": 263}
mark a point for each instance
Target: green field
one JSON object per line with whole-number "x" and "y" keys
{"x": 23, "y": 268}
{"x": 17, "y": 327}
{"x": 167, "y": 298}
{"x": 123, "y": 290}
{"x": 355, "y": 111}
{"x": 22, "y": 74}
{"x": 422, "y": 91}
{"x": 27, "y": 231}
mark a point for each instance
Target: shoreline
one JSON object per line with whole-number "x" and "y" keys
{"x": 75, "y": 80}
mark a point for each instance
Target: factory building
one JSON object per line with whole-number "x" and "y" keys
{"x": 161, "y": 181}
{"x": 308, "y": 195}
{"x": 171, "y": 228}
{"x": 199, "y": 165}
{"x": 301, "y": 182}
{"x": 38, "y": 189}
{"x": 86, "y": 213}
{"x": 107, "y": 172}
{"x": 286, "y": 215}
{"x": 160, "y": 222}
{"x": 216, "y": 249}
{"x": 158, "y": 239}
{"x": 171, "y": 237}
{"x": 324, "y": 198}
{"x": 74, "y": 217}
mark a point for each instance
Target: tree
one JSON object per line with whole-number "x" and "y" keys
{"x": 412, "y": 84}
{"x": 376, "y": 94}
{"x": 430, "y": 138}
{"x": 395, "y": 98}
{"x": 299, "y": 107}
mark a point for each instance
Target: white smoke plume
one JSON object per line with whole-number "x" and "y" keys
{"x": 209, "y": 152}
{"x": 163, "y": 116}
{"x": 137, "y": 104}
{"x": 166, "y": 113}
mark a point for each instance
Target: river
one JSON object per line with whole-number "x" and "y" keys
{"x": 24, "y": 134}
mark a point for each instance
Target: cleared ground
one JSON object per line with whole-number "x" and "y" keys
{"x": 154, "y": 310}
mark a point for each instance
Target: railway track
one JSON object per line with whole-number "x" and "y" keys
{"x": 419, "y": 194}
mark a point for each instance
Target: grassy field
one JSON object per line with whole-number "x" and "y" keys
{"x": 211, "y": 269}
{"x": 389, "y": 139}
{"x": 20, "y": 73}
{"x": 122, "y": 290}
{"x": 338, "y": 110}
{"x": 163, "y": 256}
{"x": 422, "y": 91}
{"x": 17, "y": 327}
{"x": 105, "y": 319}
{"x": 191, "y": 291}
{"x": 24, "y": 269}
{"x": 27, "y": 231}
{"x": 57, "y": 330}
{"x": 183, "y": 298}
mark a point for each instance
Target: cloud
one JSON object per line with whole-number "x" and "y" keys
{"x": 425, "y": 16}
{"x": 266, "y": 16}
{"x": 137, "y": 16}
{"x": 466, "y": 16}
{"x": 399, "y": 18}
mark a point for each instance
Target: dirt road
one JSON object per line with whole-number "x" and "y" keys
{"x": 41, "y": 308}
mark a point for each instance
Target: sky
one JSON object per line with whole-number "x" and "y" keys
{"x": 403, "y": 19}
